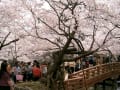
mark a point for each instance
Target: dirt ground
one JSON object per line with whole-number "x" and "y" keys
{"x": 33, "y": 85}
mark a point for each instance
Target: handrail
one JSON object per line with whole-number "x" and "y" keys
{"x": 92, "y": 75}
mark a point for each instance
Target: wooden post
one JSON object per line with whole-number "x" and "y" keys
{"x": 103, "y": 85}
{"x": 95, "y": 87}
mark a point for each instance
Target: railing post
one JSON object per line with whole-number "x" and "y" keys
{"x": 87, "y": 73}
{"x": 98, "y": 70}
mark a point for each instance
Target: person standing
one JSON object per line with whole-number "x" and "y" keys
{"x": 5, "y": 81}
{"x": 36, "y": 72}
{"x": 43, "y": 70}
{"x": 29, "y": 71}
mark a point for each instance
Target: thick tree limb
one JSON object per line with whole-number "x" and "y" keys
{"x": 84, "y": 54}
{"x": 3, "y": 44}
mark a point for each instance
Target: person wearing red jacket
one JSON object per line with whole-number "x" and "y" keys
{"x": 36, "y": 72}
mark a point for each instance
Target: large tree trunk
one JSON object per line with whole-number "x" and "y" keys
{"x": 55, "y": 71}
{"x": 56, "y": 82}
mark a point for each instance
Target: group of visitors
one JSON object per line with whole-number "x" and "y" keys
{"x": 20, "y": 71}
{"x": 81, "y": 64}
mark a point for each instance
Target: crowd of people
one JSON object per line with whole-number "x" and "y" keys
{"x": 81, "y": 64}
{"x": 20, "y": 71}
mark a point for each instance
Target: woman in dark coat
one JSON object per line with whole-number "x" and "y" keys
{"x": 5, "y": 82}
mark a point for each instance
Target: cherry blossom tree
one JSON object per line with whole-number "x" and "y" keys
{"x": 66, "y": 26}
{"x": 6, "y": 36}
{"x": 85, "y": 26}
